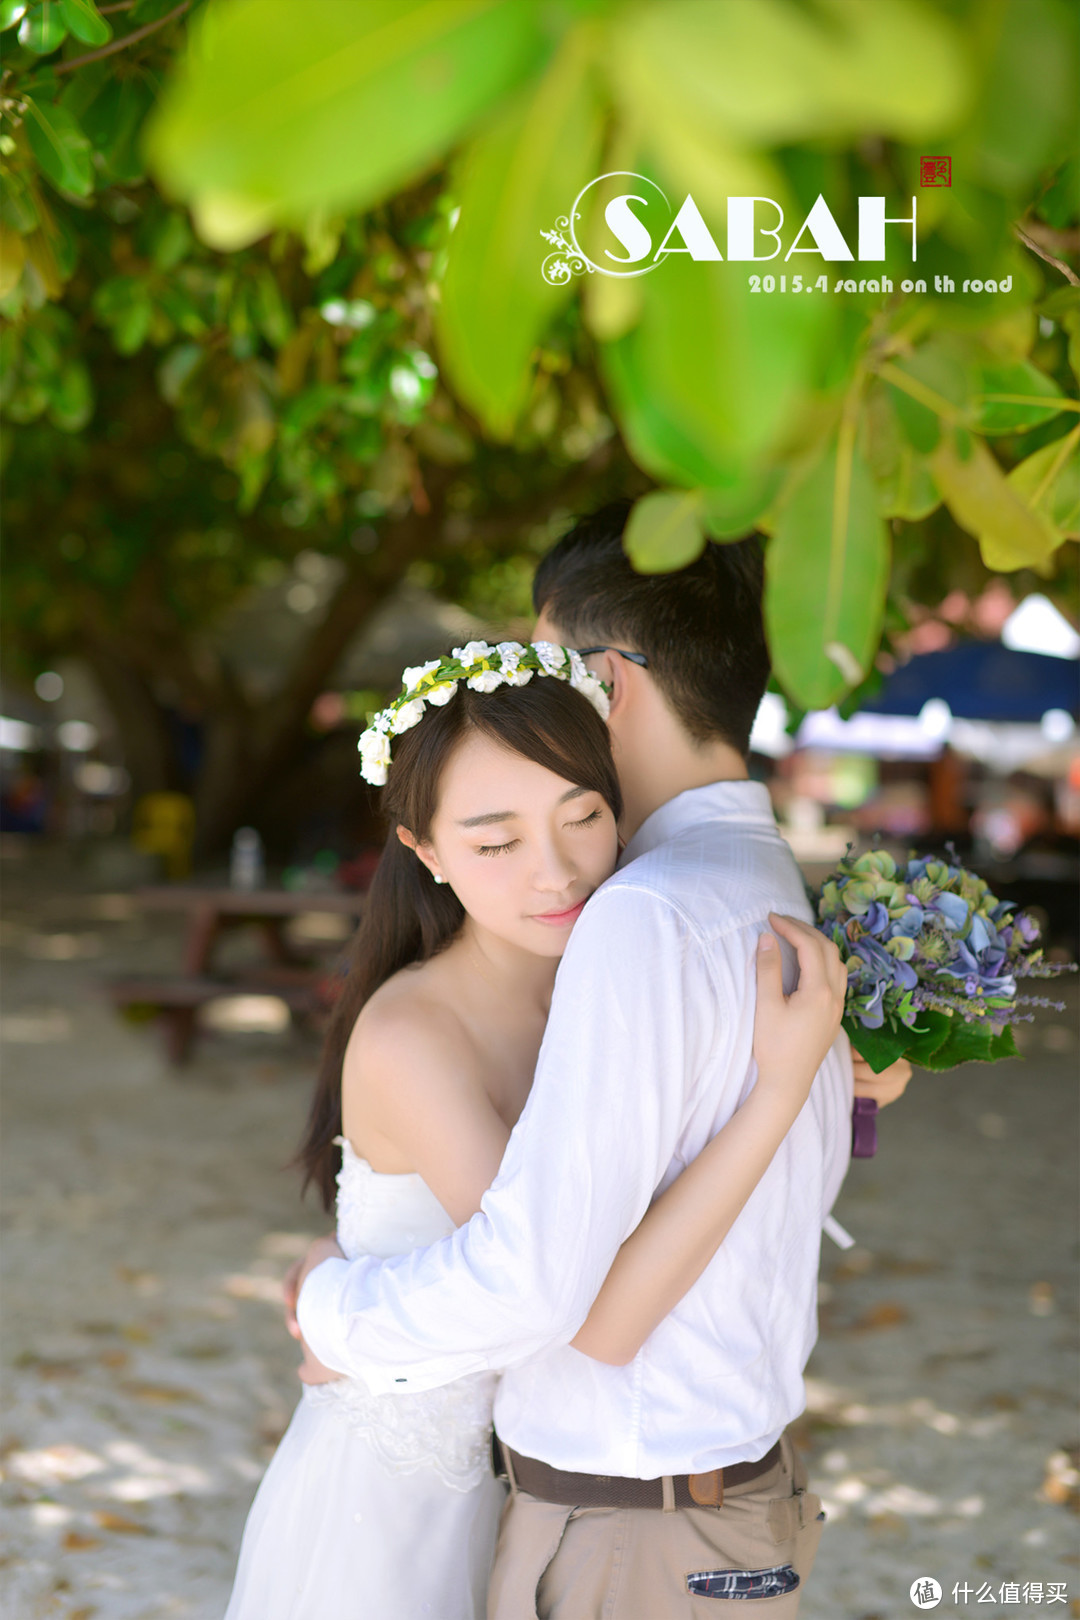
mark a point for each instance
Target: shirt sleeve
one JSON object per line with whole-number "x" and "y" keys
{"x": 633, "y": 1019}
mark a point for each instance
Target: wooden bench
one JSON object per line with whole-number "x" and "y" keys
{"x": 175, "y": 1000}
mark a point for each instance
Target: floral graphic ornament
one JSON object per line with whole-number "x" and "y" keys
{"x": 483, "y": 669}
{"x": 558, "y": 267}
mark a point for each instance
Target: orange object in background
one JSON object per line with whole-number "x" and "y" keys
{"x": 164, "y": 824}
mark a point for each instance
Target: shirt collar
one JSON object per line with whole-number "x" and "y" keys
{"x": 745, "y": 802}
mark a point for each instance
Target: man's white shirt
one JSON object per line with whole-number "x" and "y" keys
{"x": 647, "y": 1053}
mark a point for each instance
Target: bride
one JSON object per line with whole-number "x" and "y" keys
{"x": 503, "y": 801}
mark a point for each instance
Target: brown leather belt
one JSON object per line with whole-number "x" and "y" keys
{"x": 615, "y": 1490}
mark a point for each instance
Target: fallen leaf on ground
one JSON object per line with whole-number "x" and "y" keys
{"x": 161, "y": 1394}
{"x": 122, "y": 1526}
{"x": 75, "y": 1541}
{"x": 884, "y": 1315}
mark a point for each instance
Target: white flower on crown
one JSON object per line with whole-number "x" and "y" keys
{"x": 578, "y": 671}
{"x": 374, "y": 748}
{"x": 409, "y": 715}
{"x": 511, "y": 653}
{"x": 552, "y": 657}
{"x": 440, "y": 695}
{"x": 591, "y": 687}
{"x": 412, "y": 678}
{"x": 473, "y": 652}
{"x": 486, "y": 681}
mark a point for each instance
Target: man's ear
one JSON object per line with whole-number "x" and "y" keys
{"x": 423, "y": 852}
{"x": 616, "y": 673}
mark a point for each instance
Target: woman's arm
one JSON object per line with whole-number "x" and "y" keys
{"x": 686, "y": 1225}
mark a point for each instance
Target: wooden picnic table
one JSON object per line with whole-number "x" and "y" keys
{"x": 211, "y": 909}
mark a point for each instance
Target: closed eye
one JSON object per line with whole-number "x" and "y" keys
{"x": 497, "y": 849}
{"x": 587, "y": 821}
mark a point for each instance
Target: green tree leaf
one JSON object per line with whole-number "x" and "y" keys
{"x": 270, "y": 121}
{"x": 43, "y": 28}
{"x": 60, "y": 146}
{"x": 1010, "y": 534}
{"x": 72, "y": 400}
{"x": 713, "y": 373}
{"x": 113, "y": 122}
{"x": 766, "y": 72}
{"x": 518, "y": 176}
{"x": 664, "y": 531}
{"x": 826, "y": 570}
{"x": 1005, "y": 415}
{"x": 731, "y": 512}
{"x": 1049, "y": 482}
{"x": 86, "y": 22}
{"x": 905, "y": 486}
{"x": 12, "y": 259}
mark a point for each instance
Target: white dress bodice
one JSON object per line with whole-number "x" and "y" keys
{"x": 448, "y": 1429}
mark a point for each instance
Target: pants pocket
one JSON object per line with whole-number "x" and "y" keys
{"x": 788, "y": 1515}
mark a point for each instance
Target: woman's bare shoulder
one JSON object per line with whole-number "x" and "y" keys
{"x": 409, "y": 1026}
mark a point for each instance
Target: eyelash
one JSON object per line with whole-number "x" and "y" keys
{"x": 502, "y": 849}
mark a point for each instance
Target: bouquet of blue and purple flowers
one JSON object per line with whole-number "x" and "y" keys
{"x": 933, "y": 961}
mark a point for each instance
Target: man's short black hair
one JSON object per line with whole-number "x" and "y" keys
{"x": 700, "y": 628}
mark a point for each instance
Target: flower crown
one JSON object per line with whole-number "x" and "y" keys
{"x": 483, "y": 669}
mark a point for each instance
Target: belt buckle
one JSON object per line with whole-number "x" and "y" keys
{"x": 707, "y": 1490}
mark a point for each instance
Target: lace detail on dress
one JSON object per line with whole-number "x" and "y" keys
{"x": 448, "y": 1429}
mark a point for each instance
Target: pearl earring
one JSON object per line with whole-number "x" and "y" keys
{"x": 439, "y": 879}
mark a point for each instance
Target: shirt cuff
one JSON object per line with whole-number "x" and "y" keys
{"x": 320, "y": 1312}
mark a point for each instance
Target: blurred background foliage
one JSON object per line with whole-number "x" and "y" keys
{"x": 270, "y": 284}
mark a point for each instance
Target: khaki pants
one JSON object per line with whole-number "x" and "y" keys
{"x": 563, "y": 1563}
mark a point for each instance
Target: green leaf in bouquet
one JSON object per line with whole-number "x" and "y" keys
{"x": 879, "y": 1047}
{"x": 927, "y": 1037}
{"x": 664, "y": 531}
{"x": 966, "y": 1043}
{"x": 1004, "y": 1045}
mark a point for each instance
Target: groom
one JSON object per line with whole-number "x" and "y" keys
{"x": 633, "y": 1487}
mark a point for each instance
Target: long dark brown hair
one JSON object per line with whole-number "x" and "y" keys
{"x": 408, "y": 917}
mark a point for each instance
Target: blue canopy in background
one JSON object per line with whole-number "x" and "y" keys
{"x": 982, "y": 680}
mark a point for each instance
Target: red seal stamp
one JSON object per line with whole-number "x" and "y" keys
{"x": 935, "y": 171}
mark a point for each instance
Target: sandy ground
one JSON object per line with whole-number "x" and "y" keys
{"x": 148, "y": 1218}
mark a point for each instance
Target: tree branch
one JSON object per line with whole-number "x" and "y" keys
{"x": 115, "y": 45}
{"x": 1036, "y": 248}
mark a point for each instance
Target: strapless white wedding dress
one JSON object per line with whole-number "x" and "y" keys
{"x": 376, "y": 1507}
